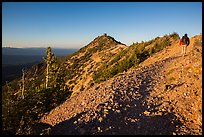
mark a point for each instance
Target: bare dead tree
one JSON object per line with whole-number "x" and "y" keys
{"x": 36, "y": 70}
{"x": 47, "y": 76}
{"x": 23, "y": 83}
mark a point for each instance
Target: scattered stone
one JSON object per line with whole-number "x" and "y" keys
{"x": 146, "y": 113}
{"x": 100, "y": 119}
{"x": 99, "y": 129}
{"x": 118, "y": 111}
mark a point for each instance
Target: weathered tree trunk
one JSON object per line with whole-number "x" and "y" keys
{"x": 47, "y": 76}
{"x": 23, "y": 85}
{"x": 8, "y": 100}
{"x": 36, "y": 70}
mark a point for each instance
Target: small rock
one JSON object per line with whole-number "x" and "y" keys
{"x": 83, "y": 103}
{"x": 105, "y": 110}
{"x": 116, "y": 104}
{"x": 118, "y": 111}
{"x": 146, "y": 113}
{"x": 99, "y": 129}
{"x": 127, "y": 105}
{"x": 100, "y": 119}
{"x": 79, "y": 121}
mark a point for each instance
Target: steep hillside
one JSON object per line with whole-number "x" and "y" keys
{"x": 104, "y": 57}
{"x": 132, "y": 56}
{"x": 84, "y": 63}
{"x": 163, "y": 95}
{"x": 42, "y": 88}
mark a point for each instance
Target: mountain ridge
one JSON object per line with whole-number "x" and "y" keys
{"x": 133, "y": 90}
{"x": 118, "y": 100}
{"x": 91, "y": 57}
{"x": 106, "y": 94}
{"x": 89, "y": 113}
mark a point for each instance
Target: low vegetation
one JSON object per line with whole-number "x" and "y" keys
{"x": 27, "y": 100}
{"x": 132, "y": 56}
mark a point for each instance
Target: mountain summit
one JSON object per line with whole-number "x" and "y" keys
{"x": 83, "y": 64}
{"x": 106, "y": 39}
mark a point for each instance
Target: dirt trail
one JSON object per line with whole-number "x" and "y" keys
{"x": 163, "y": 96}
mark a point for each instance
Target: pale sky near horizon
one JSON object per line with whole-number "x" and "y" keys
{"x": 75, "y": 24}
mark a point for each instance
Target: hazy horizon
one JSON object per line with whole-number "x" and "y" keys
{"x": 41, "y": 47}
{"x": 76, "y": 24}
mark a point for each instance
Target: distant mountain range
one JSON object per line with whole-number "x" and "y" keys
{"x": 36, "y": 51}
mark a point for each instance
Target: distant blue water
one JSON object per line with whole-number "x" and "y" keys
{"x": 15, "y": 59}
{"x": 16, "y": 56}
{"x": 36, "y": 51}
{"x": 20, "y": 59}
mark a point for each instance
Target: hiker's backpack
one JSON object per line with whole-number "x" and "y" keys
{"x": 184, "y": 40}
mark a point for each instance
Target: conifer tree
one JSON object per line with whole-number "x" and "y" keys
{"x": 49, "y": 62}
{"x": 55, "y": 79}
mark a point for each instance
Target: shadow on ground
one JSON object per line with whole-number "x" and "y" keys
{"x": 127, "y": 122}
{"x": 129, "y": 119}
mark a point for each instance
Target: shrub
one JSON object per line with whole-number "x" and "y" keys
{"x": 131, "y": 57}
{"x": 175, "y": 36}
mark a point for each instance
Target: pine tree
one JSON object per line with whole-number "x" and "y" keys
{"x": 55, "y": 79}
{"x": 50, "y": 59}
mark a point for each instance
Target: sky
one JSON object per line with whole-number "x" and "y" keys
{"x": 76, "y": 24}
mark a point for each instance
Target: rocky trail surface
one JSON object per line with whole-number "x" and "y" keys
{"x": 162, "y": 97}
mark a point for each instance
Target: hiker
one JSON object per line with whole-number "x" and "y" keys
{"x": 184, "y": 42}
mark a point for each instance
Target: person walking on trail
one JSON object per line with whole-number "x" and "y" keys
{"x": 184, "y": 42}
